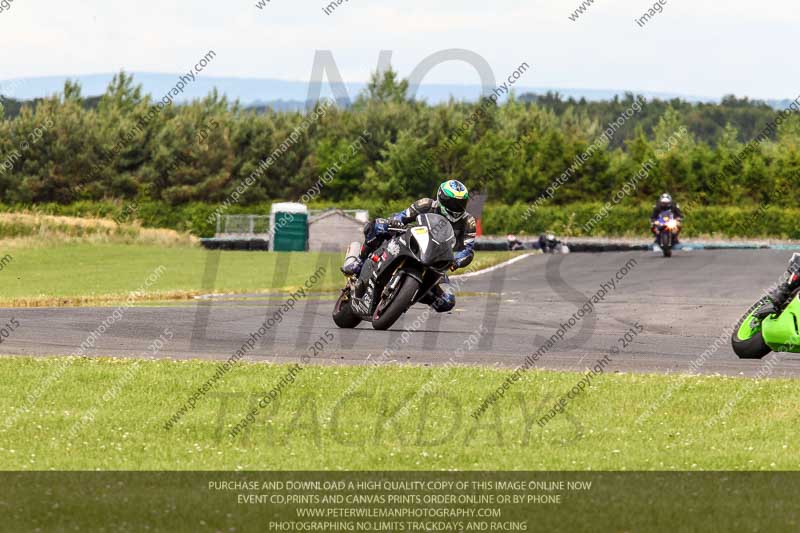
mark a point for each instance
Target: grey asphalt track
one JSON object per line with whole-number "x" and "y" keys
{"x": 686, "y": 306}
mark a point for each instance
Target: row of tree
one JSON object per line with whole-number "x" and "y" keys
{"x": 124, "y": 145}
{"x": 707, "y": 121}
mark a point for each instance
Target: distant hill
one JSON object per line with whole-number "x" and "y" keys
{"x": 282, "y": 94}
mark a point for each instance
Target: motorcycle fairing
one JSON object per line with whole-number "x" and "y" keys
{"x": 781, "y": 333}
{"x": 421, "y": 242}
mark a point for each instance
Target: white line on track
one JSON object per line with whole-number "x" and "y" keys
{"x": 457, "y": 276}
{"x": 493, "y": 268}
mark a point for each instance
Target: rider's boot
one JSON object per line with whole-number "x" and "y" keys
{"x": 354, "y": 259}
{"x": 777, "y": 297}
{"x": 352, "y": 266}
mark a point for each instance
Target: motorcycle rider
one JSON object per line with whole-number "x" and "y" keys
{"x": 665, "y": 203}
{"x": 514, "y": 243}
{"x": 451, "y": 202}
{"x": 777, "y": 297}
{"x": 548, "y": 242}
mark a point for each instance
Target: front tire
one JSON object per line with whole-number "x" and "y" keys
{"x": 387, "y": 313}
{"x": 343, "y": 314}
{"x": 666, "y": 244}
{"x": 748, "y": 342}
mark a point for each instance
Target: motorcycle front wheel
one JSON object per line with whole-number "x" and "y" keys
{"x": 747, "y": 341}
{"x": 666, "y": 243}
{"x": 391, "y": 308}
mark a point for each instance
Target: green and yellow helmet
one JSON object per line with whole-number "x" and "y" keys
{"x": 453, "y": 197}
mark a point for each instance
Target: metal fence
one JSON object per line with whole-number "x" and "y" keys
{"x": 237, "y": 225}
{"x": 258, "y": 225}
{"x": 361, "y": 215}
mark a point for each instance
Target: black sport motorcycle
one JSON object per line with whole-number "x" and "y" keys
{"x": 398, "y": 274}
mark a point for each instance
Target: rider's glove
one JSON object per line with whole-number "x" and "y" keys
{"x": 396, "y": 223}
{"x": 381, "y": 226}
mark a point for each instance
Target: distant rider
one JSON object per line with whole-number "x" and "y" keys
{"x": 665, "y": 203}
{"x": 451, "y": 202}
{"x": 548, "y": 242}
{"x": 776, "y": 298}
{"x": 514, "y": 243}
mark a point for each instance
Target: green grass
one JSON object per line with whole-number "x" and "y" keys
{"x": 92, "y": 273}
{"x": 303, "y": 430}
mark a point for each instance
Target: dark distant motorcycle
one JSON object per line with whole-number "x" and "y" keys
{"x": 666, "y": 228}
{"x": 550, "y": 245}
{"x": 398, "y": 274}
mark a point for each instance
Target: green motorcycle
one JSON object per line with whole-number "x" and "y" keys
{"x": 753, "y": 338}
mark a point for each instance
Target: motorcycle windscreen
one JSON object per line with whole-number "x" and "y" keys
{"x": 437, "y": 241}
{"x": 665, "y": 216}
{"x": 781, "y": 333}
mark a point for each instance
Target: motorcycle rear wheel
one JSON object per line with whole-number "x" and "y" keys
{"x": 748, "y": 342}
{"x": 387, "y": 313}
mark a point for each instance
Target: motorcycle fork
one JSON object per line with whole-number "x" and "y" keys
{"x": 390, "y": 287}
{"x": 428, "y": 285}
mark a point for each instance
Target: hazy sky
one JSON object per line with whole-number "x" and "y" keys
{"x": 695, "y": 47}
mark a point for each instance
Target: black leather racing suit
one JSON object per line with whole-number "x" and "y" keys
{"x": 657, "y": 210}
